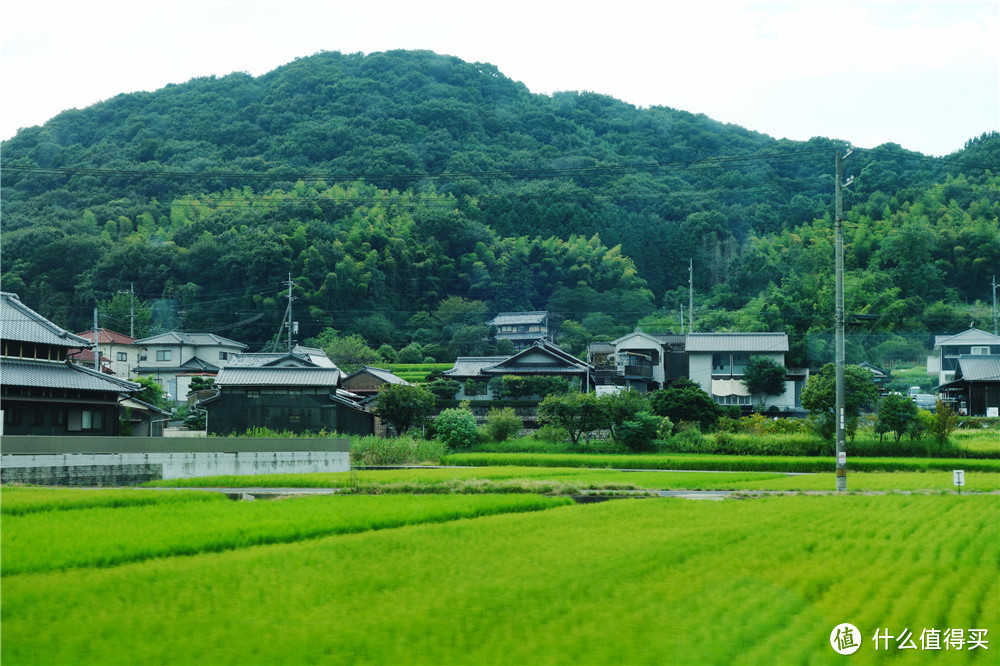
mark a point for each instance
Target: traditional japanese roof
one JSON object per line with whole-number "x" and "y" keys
{"x": 513, "y": 318}
{"x": 973, "y": 336}
{"x": 737, "y": 342}
{"x": 105, "y": 336}
{"x": 61, "y": 375}
{"x": 541, "y": 358}
{"x": 317, "y": 356}
{"x": 21, "y": 323}
{"x": 385, "y": 375}
{"x": 278, "y": 376}
{"x": 472, "y": 366}
{"x": 268, "y": 359}
{"x": 602, "y": 348}
{"x": 190, "y": 339}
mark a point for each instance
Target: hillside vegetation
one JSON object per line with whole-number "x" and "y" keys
{"x": 410, "y": 196}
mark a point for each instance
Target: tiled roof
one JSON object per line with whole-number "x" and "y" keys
{"x": 21, "y": 323}
{"x": 51, "y": 374}
{"x": 232, "y": 376}
{"x": 508, "y": 318}
{"x": 977, "y": 368}
{"x": 534, "y": 368}
{"x": 193, "y": 364}
{"x": 104, "y": 337}
{"x": 472, "y": 366}
{"x": 383, "y": 374}
{"x": 737, "y": 342}
{"x": 190, "y": 339}
{"x": 973, "y": 336}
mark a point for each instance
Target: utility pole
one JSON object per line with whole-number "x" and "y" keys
{"x": 996, "y": 314}
{"x": 690, "y": 295}
{"x": 97, "y": 353}
{"x": 131, "y": 308}
{"x": 839, "y": 317}
{"x": 682, "y": 319}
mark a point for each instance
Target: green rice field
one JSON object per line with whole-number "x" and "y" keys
{"x": 759, "y": 580}
{"x": 574, "y": 480}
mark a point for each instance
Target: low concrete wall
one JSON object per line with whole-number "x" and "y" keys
{"x": 121, "y": 461}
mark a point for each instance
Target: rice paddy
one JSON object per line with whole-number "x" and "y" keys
{"x": 653, "y": 581}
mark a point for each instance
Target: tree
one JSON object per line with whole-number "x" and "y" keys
{"x": 684, "y": 400}
{"x": 623, "y": 406}
{"x": 764, "y": 377}
{"x": 896, "y": 414}
{"x": 403, "y": 405}
{"x": 820, "y": 395}
{"x": 116, "y": 314}
{"x": 151, "y": 392}
{"x": 457, "y": 428}
{"x": 944, "y": 422}
{"x": 639, "y": 432}
{"x": 348, "y": 352}
{"x": 576, "y": 413}
{"x": 502, "y": 424}
{"x": 444, "y": 388}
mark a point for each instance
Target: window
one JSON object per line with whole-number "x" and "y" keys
{"x": 732, "y": 399}
{"x": 251, "y": 393}
{"x": 122, "y": 356}
{"x": 11, "y": 417}
{"x": 36, "y": 416}
{"x": 59, "y": 417}
{"x": 91, "y": 420}
{"x": 163, "y": 354}
{"x": 223, "y": 355}
{"x": 981, "y": 351}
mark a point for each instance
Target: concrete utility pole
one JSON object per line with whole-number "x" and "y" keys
{"x": 839, "y": 317}
{"x": 131, "y": 308}
{"x": 996, "y": 314}
{"x": 690, "y": 295}
{"x": 97, "y": 354}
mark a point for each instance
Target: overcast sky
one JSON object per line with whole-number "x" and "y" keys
{"x": 925, "y": 75}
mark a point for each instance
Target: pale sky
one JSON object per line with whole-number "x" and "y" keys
{"x": 925, "y": 75}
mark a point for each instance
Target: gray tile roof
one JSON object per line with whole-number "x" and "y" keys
{"x": 190, "y": 339}
{"x": 52, "y": 374}
{"x": 385, "y": 375}
{"x": 21, "y": 323}
{"x": 193, "y": 364}
{"x": 508, "y": 318}
{"x": 472, "y": 366}
{"x": 534, "y": 368}
{"x": 978, "y": 368}
{"x": 973, "y": 336}
{"x": 737, "y": 342}
{"x": 232, "y": 376}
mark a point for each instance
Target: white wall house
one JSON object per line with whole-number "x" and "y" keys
{"x": 716, "y": 362}
{"x": 117, "y": 351}
{"x": 175, "y": 358}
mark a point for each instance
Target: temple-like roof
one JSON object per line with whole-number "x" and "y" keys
{"x": 278, "y": 376}
{"x": 514, "y": 318}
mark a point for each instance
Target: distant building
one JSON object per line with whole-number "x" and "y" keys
{"x": 523, "y": 329}
{"x": 972, "y": 342}
{"x": 368, "y": 380}
{"x": 41, "y": 391}
{"x": 282, "y": 392}
{"x": 543, "y": 359}
{"x": 117, "y": 351}
{"x": 174, "y": 358}
{"x": 975, "y": 387}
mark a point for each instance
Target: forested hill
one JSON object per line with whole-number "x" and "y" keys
{"x": 391, "y": 185}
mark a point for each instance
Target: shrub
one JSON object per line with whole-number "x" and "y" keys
{"x": 502, "y": 424}
{"x": 457, "y": 428}
{"x": 552, "y": 434}
{"x": 943, "y": 423}
{"x": 638, "y": 433}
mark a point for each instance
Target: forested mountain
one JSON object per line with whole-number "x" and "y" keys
{"x": 410, "y": 195}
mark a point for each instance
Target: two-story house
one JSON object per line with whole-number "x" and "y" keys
{"x": 522, "y": 328}
{"x": 117, "y": 352}
{"x": 949, "y": 348}
{"x": 643, "y": 361}
{"x": 41, "y": 391}
{"x": 174, "y": 358}
{"x": 716, "y": 362}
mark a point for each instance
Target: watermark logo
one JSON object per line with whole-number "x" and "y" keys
{"x": 845, "y": 638}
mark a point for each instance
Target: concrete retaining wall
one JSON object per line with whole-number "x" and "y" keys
{"x": 46, "y": 461}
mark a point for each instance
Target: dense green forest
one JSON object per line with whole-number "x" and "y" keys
{"x": 410, "y": 196}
